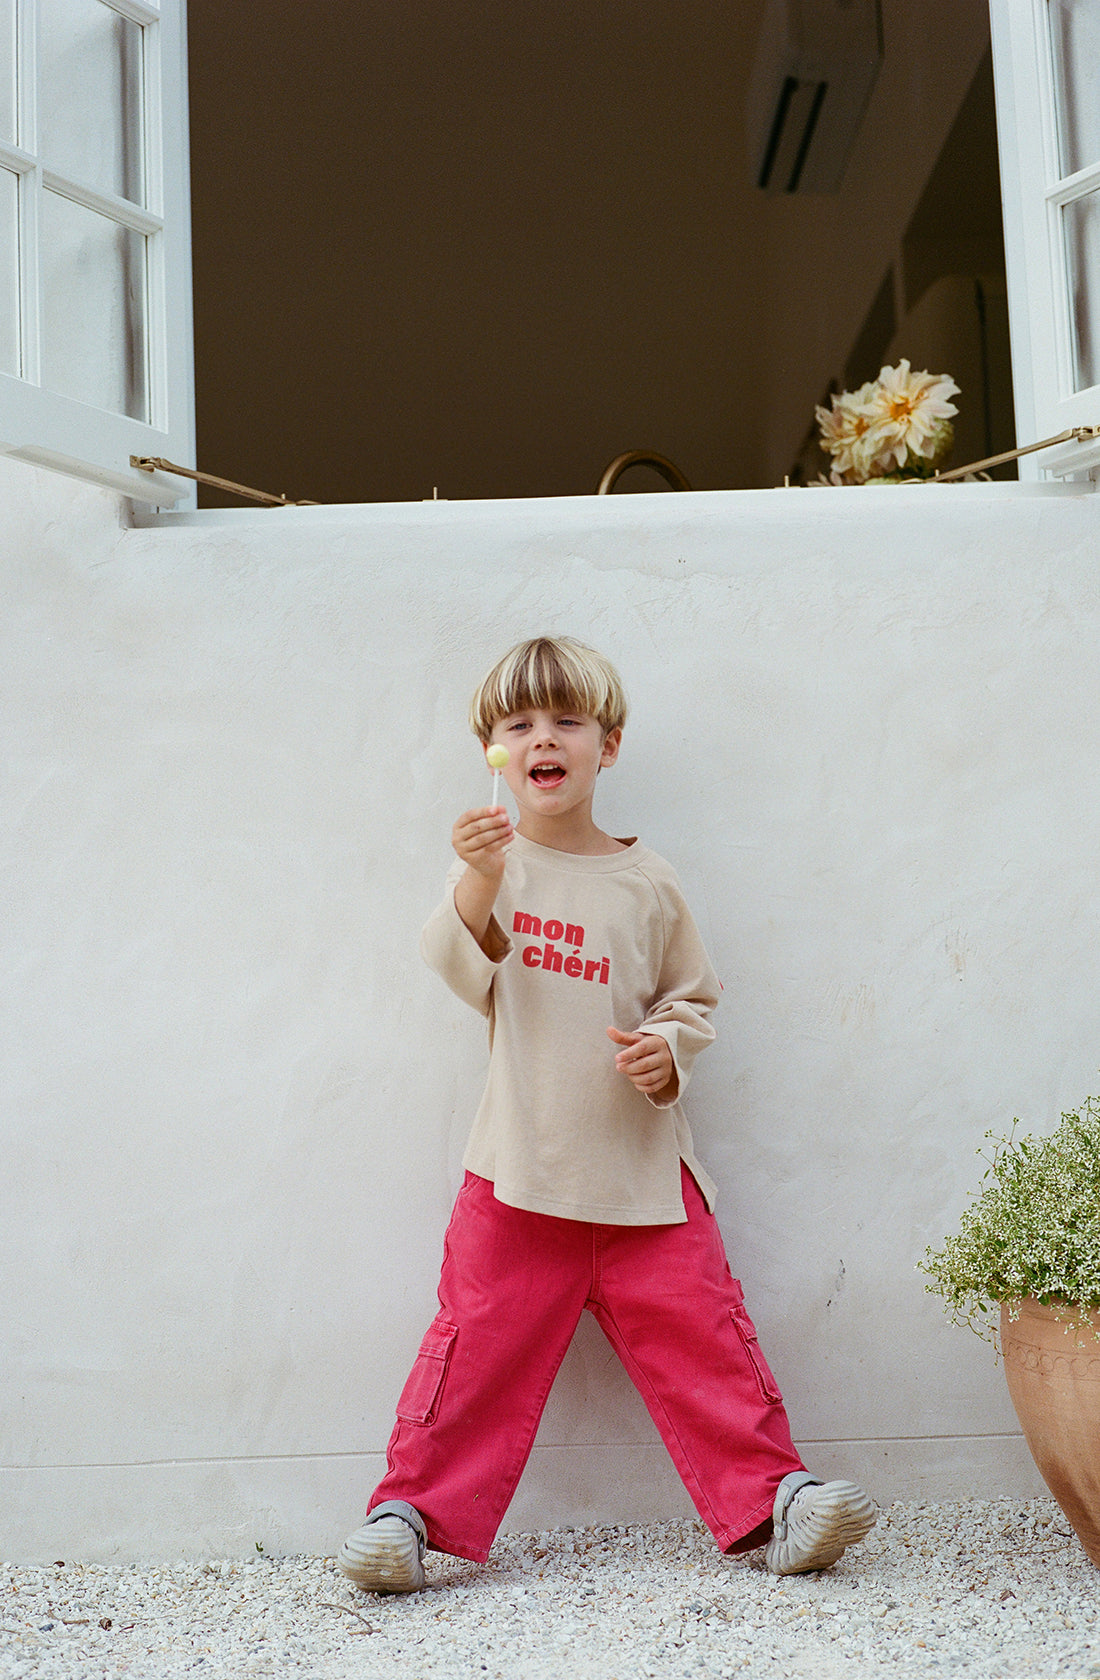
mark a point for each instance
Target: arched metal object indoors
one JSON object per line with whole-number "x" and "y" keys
{"x": 638, "y": 458}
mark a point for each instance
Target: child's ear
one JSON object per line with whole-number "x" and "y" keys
{"x": 613, "y": 740}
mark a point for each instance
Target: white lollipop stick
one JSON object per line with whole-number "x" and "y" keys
{"x": 496, "y": 757}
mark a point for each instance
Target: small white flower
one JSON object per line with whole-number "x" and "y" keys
{"x": 1034, "y": 1229}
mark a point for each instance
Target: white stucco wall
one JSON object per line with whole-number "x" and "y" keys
{"x": 866, "y": 728}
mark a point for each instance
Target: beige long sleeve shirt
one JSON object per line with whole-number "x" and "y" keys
{"x": 580, "y": 944}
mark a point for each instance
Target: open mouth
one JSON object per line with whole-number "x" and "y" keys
{"x": 546, "y": 775}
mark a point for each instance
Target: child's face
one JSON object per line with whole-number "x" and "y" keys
{"x": 554, "y": 759}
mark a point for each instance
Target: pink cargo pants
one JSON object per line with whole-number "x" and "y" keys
{"x": 512, "y": 1289}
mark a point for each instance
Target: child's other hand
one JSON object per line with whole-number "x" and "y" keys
{"x": 645, "y": 1059}
{"x": 481, "y": 837}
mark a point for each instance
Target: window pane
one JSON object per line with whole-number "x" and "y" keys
{"x": 9, "y": 273}
{"x": 89, "y": 96}
{"x": 7, "y": 71}
{"x": 93, "y": 286}
{"x": 1081, "y": 223}
{"x": 1075, "y": 50}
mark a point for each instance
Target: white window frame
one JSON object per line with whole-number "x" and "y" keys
{"x": 57, "y": 432}
{"x": 1034, "y": 194}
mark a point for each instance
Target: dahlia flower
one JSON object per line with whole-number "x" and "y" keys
{"x": 844, "y": 429}
{"x": 898, "y": 425}
{"x": 906, "y": 412}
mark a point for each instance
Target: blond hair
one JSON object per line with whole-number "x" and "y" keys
{"x": 552, "y": 673}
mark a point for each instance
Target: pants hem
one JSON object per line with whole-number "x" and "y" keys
{"x": 455, "y": 1548}
{"x": 732, "y": 1539}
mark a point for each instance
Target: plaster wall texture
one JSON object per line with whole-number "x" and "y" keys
{"x": 865, "y": 728}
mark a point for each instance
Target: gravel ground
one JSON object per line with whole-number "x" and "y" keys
{"x": 991, "y": 1588}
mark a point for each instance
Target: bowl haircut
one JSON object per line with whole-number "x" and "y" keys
{"x": 549, "y": 673}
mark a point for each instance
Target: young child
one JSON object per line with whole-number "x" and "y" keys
{"x": 582, "y": 1188}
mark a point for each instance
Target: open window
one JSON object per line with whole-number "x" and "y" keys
{"x": 95, "y": 282}
{"x": 1046, "y": 60}
{"x": 95, "y": 270}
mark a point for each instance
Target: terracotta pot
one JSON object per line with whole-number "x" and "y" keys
{"x": 1054, "y": 1380}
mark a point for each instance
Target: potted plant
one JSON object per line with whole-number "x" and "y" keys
{"x": 1028, "y": 1250}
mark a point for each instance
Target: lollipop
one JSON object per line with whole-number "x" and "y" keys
{"x": 496, "y": 758}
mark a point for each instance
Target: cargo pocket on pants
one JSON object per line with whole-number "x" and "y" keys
{"x": 746, "y": 1330}
{"x": 421, "y": 1394}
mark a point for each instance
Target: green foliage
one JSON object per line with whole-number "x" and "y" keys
{"x": 1034, "y": 1229}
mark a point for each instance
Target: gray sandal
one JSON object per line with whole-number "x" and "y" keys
{"x": 386, "y": 1555}
{"x": 814, "y": 1522}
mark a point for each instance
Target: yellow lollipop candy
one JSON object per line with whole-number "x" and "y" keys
{"x": 496, "y": 757}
